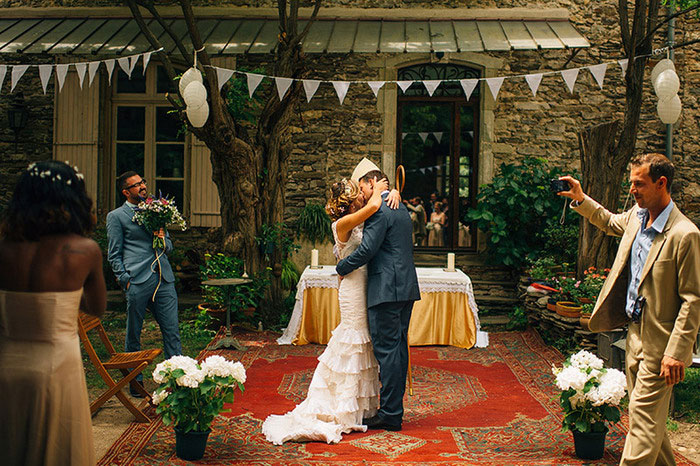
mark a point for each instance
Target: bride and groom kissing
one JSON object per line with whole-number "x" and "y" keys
{"x": 378, "y": 286}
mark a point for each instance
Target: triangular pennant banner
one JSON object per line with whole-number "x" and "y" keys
{"x": 431, "y": 85}
{"x": 423, "y": 136}
{"x": 110, "y": 69}
{"x": 132, "y": 63}
{"x": 534, "y": 80}
{"x": 222, "y": 76}
{"x": 598, "y": 72}
{"x": 341, "y": 88}
{"x": 3, "y": 73}
{"x": 45, "y": 75}
{"x": 124, "y": 65}
{"x": 404, "y": 85}
{"x": 623, "y": 65}
{"x": 468, "y": 85}
{"x": 570, "y": 78}
{"x": 93, "y": 66}
{"x": 422, "y": 170}
{"x": 495, "y": 86}
{"x": 61, "y": 72}
{"x": 375, "y": 86}
{"x": 471, "y": 133}
{"x": 310, "y": 88}
{"x": 81, "y": 68}
{"x": 17, "y": 72}
{"x": 403, "y": 136}
{"x": 253, "y": 81}
{"x": 146, "y": 59}
{"x": 438, "y": 136}
{"x": 282, "y": 86}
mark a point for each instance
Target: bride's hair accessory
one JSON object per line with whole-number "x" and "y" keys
{"x": 33, "y": 170}
{"x": 343, "y": 194}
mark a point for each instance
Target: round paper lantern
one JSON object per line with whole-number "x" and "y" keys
{"x": 192, "y": 74}
{"x": 660, "y": 67}
{"x": 195, "y": 94}
{"x": 198, "y": 115}
{"x": 667, "y": 84}
{"x": 669, "y": 109}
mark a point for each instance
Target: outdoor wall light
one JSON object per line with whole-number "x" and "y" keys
{"x": 17, "y": 115}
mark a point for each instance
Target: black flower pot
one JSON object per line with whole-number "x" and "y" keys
{"x": 190, "y": 446}
{"x": 589, "y": 445}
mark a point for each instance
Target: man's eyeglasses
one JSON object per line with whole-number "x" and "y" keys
{"x": 140, "y": 183}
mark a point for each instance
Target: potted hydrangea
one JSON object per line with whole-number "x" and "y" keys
{"x": 591, "y": 396}
{"x": 191, "y": 395}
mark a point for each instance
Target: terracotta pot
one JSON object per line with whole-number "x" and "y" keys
{"x": 585, "y": 300}
{"x": 216, "y": 311}
{"x": 248, "y": 311}
{"x": 552, "y": 304}
{"x": 568, "y": 309}
{"x": 583, "y": 320}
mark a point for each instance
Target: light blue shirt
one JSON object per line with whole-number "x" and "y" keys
{"x": 640, "y": 250}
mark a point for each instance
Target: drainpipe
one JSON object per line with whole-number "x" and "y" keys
{"x": 671, "y": 32}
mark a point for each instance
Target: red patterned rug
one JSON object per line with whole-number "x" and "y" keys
{"x": 483, "y": 406}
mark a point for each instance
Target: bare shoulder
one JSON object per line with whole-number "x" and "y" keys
{"x": 80, "y": 245}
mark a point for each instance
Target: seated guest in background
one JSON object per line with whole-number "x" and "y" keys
{"x": 436, "y": 233}
{"x": 133, "y": 262}
{"x": 419, "y": 219}
{"x": 51, "y": 269}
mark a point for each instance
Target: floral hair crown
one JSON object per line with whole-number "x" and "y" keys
{"x": 55, "y": 177}
{"x": 347, "y": 187}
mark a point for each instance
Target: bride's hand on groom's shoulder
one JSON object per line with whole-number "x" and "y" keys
{"x": 393, "y": 199}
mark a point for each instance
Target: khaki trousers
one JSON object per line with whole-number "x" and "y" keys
{"x": 647, "y": 440}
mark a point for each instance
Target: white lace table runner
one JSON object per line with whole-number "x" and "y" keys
{"x": 430, "y": 280}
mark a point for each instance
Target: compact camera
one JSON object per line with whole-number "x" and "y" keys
{"x": 557, "y": 186}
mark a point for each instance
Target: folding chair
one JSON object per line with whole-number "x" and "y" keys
{"x": 130, "y": 365}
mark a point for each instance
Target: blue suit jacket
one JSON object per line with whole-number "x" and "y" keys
{"x": 131, "y": 249}
{"x": 387, "y": 248}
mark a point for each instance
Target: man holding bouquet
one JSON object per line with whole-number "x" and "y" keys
{"x": 144, "y": 273}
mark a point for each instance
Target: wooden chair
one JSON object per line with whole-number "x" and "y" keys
{"x": 130, "y": 365}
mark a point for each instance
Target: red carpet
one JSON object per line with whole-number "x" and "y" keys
{"x": 486, "y": 406}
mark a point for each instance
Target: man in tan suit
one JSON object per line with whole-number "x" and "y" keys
{"x": 656, "y": 271}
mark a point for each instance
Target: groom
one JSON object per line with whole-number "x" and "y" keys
{"x": 392, "y": 287}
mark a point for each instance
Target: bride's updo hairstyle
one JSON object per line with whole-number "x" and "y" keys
{"x": 343, "y": 194}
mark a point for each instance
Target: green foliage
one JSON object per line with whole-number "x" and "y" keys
{"x": 541, "y": 269}
{"x": 100, "y": 237}
{"x": 276, "y": 237}
{"x": 560, "y": 242}
{"x": 314, "y": 224}
{"x": 516, "y": 209}
{"x": 687, "y": 402}
{"x": 238, "y": 102}
{"x": 195, "y": 331}
{"x": 517, "y": 319}
{"x": 290, "y": 275}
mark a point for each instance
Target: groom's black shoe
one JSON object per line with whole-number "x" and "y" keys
{"x": 376, "y": 422}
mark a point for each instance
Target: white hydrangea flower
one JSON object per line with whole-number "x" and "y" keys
{"x": 238, "y": 372}
{"x": 159, "y": 397}
{"x": 612, "y": 388}
{"x": 176, "y": 362}
{"x": 571, "y": 377}
{"x": 191, "y": 379}
{"x": 584, "y": 359}
{"x": 217, "y": 366}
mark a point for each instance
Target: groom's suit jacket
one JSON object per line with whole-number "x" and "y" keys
{"x": 387, "y": 248}
{"x": 670, "y": 282}
{"x": 131, "y": 251}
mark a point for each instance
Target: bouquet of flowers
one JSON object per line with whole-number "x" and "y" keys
{"x": 190, "y": 394}
{"x": 157, "y": 213}
{"x": 591, "y": 394}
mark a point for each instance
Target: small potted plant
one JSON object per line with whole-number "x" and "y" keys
{"x": 217, "y": 265}
{"x": 586, "y": 311}
{"x": 569, "y": 305}
{"x": 591, "y": 284}
{"x": 590, "y": 397}
{"x": 191, "y": 395}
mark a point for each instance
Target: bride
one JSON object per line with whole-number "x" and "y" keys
{"x": 345, "y": 385}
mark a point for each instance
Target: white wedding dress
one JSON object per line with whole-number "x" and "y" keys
{"x": 345, "y": 384}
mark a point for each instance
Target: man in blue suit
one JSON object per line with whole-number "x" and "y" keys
{"x": 132, "y": 258}
{"x": 392, "y": 288}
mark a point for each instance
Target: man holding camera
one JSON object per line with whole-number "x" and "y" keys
{"x": 654, "y": 287}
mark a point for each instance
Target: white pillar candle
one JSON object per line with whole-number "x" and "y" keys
{"x": 450, "y": 261}
{"x": 314, "y": 258}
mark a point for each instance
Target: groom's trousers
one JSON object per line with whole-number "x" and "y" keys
{"x": 388, "y": 326}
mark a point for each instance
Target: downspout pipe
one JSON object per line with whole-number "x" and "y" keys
{"x": 671, "y": 33}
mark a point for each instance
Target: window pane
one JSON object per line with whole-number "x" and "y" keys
{"x": 169, "y": 127}
{"x": 466, "y": 166}
{"x": 172, "y": 189}
{"x": 170, "y": 160}
{"x": 129, "y": 157}
{"x": 164, "y": 84}
{"x": 131, "y": 123}
{"x": 135, "y": 85}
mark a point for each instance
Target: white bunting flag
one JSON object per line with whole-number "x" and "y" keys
{"x": 623, "y": 65}
{"x": 495, "y": 86}
{"x": 310, "y": 88}
{"x": 403, "y": 136}
{"x": 404, "y": 85}
{"x": 534, "y": 80}
{"x": 282, "y": 86}
{"x": 422, "y": 170}
{"x": 471, "y": 134}
{"x": 468, "y": 85}
{"x": 124, "y": 65}
{"x": 61, "y": 72}
{"x": 93, "y": 66}
{"x": 3, "y": 73}
{"x": 438, "y": 136}
{"x": 81, "y": 68}
{"x": 45, "y": 75}
{"x": 423, "y": 136}
{"x": 253, "y": 81}
{"x": 17, "y": 72}
{"x": 598, "y": 72}
{"x": 222, "y": 76}
{"x": 132, "y": 63}
{"x": 341, "y": 88}
{"x": 431, "y": 85}
{"x": 375, "y": 86}
{"x": 146, "y": 59}
{"x": 109, "y": 64}
{"x": 570, "y": 78}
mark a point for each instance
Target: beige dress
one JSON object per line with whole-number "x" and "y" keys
{"x": 44, "y": 408}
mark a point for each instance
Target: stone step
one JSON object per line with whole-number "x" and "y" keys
{"x": 493, "y": 319}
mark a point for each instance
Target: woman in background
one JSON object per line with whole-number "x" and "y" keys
{"x": 436, "y": 235}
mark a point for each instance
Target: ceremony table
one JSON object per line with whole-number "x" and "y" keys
{"x": 445, "y": 315}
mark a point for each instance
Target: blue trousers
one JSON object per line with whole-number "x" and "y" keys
{"x": 388, "y": 326}
{"x": 164, "y": 309}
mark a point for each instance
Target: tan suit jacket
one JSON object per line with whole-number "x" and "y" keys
{"x": 670, "y": 282}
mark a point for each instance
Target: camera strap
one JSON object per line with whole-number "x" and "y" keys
{"x": 563, "y": 212}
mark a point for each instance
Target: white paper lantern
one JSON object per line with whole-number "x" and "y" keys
{"x": 195, "y": 94}
{"x": 669, "y": 109}
{"x": 667, "y": 84}
{"x": 198, "y": 115}
{"x": 660, "y": 67}
{"x": 192, "y": 74}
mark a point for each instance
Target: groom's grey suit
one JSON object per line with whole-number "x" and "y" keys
{"x": 392, "y": 287}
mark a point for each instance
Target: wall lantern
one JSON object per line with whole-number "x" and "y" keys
{"x": 17, "y": 115}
